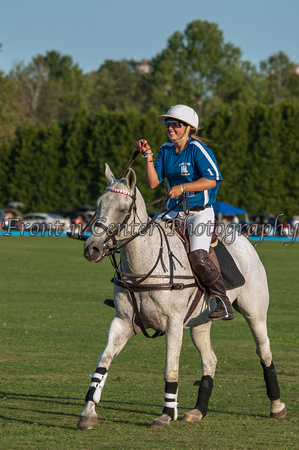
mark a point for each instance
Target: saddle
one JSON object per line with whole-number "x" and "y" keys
{"x": 220, "y": 256}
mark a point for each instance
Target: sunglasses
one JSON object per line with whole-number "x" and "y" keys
{"x": 173, "y": 124}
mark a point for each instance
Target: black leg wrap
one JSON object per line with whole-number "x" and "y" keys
{"x": 204, "y": 394}
{"x": 270, "y": 378}
{"x": 101, "y": 370}
{"x": 169, "y": 412}
{"x": 170, "y": 388}
{"x": 89, "y": 395}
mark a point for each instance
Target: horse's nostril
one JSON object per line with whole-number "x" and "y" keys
{"x": 94, "y": 249}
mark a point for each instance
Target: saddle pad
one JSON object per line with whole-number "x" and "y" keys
{"x": 229, "y": 270}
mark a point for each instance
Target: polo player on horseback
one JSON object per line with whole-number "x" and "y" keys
{"x": 190, "y": 169}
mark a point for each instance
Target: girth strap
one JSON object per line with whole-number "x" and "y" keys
{"x": 152, "y": 287}
{"x": 138, "y": 318}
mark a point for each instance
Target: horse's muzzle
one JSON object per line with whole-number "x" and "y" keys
{"x": 93, "y": 254}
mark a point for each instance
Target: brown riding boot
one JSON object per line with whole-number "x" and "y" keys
{"x": 210, "y": 276}
{"x": 223, "y": 309}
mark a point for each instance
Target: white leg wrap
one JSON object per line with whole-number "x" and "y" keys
{"x": 170, "y": 401}
{"x": 98, "y": 382}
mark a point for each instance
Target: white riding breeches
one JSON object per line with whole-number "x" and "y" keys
{"x": 198, "y": 224}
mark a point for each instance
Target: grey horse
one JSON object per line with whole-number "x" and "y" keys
{"x": 166, "y": 310}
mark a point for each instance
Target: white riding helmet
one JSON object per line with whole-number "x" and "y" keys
{"x": 182, "y": 113}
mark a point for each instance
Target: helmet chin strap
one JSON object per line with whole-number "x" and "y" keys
{"x": 184, "y": 136}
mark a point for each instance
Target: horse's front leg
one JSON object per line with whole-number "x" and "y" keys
{"x": 174, "y": 337}
{"x": 120, "y": 332}
{"x": 202, "y": 340}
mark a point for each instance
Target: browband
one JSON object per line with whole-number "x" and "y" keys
{"x": 120, "y": 191}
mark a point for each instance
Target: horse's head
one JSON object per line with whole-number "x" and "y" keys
{"x": 115, "y": 212}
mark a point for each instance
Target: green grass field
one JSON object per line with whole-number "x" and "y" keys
{"x": 53, "y": 327}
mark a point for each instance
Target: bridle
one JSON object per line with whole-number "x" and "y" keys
{"x": 109, "y": 250}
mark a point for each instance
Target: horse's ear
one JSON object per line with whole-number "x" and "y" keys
{"x": 131, "y": 179}
{"x": 109, "y": 175}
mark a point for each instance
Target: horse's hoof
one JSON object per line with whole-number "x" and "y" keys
{"x": 87, "y": 422}
{"x": 279, "y": 415}
{"x": 161, "y": 422}
{"x": 193, "y": 416}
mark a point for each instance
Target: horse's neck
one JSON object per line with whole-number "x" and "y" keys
{"x": 141, "y": 253}
{"x": 141, "y": 212}
{"x": 137, "y": 255}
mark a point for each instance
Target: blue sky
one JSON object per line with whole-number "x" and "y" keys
{"x": 91, "y": 31}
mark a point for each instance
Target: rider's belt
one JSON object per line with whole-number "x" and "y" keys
{"x": 200, "y": 208}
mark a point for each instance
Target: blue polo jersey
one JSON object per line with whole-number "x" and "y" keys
{"x": 194, "y": 162}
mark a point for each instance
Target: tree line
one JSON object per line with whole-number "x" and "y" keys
{"x": 58, "y": 125}
{"x": 62, "y": 166}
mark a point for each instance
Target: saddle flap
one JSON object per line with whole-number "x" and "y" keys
{"x": 231, "y": 274}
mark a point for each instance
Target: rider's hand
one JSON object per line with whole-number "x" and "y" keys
{"x": 146, "y": 147}
{"x": 175, "y": 191}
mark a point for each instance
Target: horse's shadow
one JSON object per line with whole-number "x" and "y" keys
{"x": 106, "y": 405}
{"x": 38, "y": 398}
{"x": 33, "y": 422}
{"x": 182, "y": 409}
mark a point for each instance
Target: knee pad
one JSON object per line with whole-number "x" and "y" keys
{"x": 203, "y": 267}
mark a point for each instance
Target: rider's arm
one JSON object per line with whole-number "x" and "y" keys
{"x": 150, "y": 171}
{"x": 203, "y": 184}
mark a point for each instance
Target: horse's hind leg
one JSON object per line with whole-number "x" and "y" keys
{"x": 120, "y": 332}
{"x": 258, "y": 328}
{"x": 201, "y": 339}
